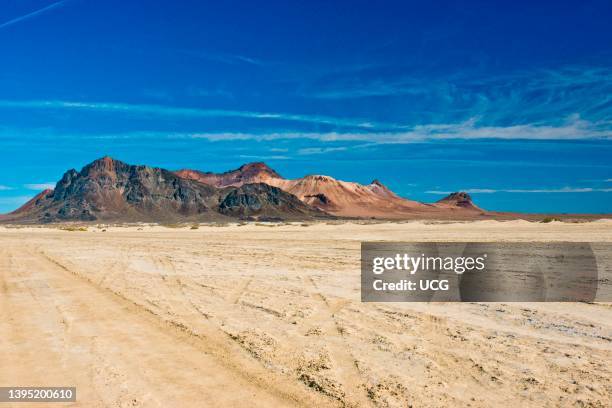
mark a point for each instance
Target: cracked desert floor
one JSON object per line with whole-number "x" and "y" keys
{"x": 270, "y": 315}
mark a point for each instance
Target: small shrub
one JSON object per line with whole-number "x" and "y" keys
{"x": 74, "y": 229}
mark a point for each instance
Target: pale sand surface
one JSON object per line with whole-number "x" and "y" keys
{"x": 259, "y": 315}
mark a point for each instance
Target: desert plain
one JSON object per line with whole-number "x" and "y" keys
{"x": 258, "y": 314}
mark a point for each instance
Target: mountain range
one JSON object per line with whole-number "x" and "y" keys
{"x": 336, "y": 197}
{"x": 111, "y": 190}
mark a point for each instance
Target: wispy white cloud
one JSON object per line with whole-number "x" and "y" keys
{"x": 263, "y": 157}
{"x": 32, "y": 14}
{"x": 558, "y": 80}
{"x": 40, "y": 186}
{"x": 4, "y": 188}
{"x": 535, "y": 95}
{"x": 538, "y": 190}
{"x": 321, "y": 150}
{"x": 573, "y": 129}
{"x": 164, "y": 110}
{"x": 246, "y": 59}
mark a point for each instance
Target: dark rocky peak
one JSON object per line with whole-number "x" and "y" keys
{"x": 109, "y": 189}
{"x": 263, "y": 200}
{"x": 105, "y": 165}
{"x": 458, "y": 196}
{"x": 458, "y": 199}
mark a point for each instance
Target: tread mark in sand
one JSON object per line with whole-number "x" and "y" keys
{"x": 214, "y": 346}
{"x": 241, "y": 290}
{"x": 349, "y": 374}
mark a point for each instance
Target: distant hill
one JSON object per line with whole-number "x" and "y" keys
{"x": 110, "y": 190}
{"x": 340, "y": 198}
{"x": 458, "y": 200}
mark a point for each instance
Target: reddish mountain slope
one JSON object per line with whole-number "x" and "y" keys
{"x": 248, "y": 173}
{"x": 341, "y": 198}
{"x": 34, "y": 202}
{"x": 348, "y": 199}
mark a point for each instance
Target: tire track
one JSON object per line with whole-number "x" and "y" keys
{"x": 33, "y": 307}
{"x": 240, "y": 291}
{"x": 346, "y": 364}
{"x": 216, "y": 345}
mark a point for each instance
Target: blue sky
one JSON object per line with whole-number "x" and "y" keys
{"x": 511, "y": 101}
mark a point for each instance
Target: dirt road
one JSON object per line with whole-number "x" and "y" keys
{"x": 58, "y": 328}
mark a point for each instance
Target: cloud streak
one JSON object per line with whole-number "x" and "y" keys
{"x": 321, "y": 150}
{"x": 537, "y": 95}
{"x": 263, "y": 157}
{"x": 525, "y": 191}
{"x": 349, "y": 129}
{"x": 4, "y": 188}
{"x": 163, "y": 110}
{"x": 573, "y": 129}
{"x": 39, "y": 186}
{"x": 32, "y": 14}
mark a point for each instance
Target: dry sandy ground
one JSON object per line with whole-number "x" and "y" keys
{"x": 261, "y": 315}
